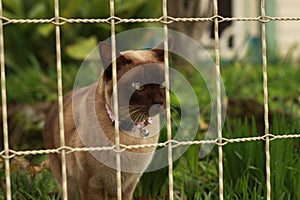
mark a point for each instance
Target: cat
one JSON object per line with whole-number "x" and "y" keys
{"x": 141, "y": 98}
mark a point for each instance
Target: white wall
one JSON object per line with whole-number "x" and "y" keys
{"x": 288, "y": 32}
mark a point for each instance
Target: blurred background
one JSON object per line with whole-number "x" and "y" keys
{"x": 30, "y": 61}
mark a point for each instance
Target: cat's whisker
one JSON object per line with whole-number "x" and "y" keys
{"x": 124, "y": 112}
{"x": 140, "y": 117}
{"x": 144, "y": 117}
{"x": 136, "y": 111}
{"x": 136, "y": 117}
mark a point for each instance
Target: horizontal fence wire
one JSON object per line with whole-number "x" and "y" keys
{"x": 175, "y": 144}
{"x": 8, "y": 153}
{"x": 163, "y": 20}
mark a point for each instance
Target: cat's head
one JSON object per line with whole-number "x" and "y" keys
{"x": 141, "y": 81}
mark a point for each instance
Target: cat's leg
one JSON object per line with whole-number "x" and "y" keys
{"x": 89, "y": 192}
{"x": 55, "y": 166}
{"x": 128, "y": 193}
{"x": 72, "y": 189}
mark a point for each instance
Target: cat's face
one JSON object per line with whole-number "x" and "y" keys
{"x": 142, "y": 91}
{"x": 141, "y": 82}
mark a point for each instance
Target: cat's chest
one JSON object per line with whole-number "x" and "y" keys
{"x": 144, "y": 132}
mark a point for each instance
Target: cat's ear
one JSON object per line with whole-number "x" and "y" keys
{"x": 105, "y": 54}
{"x": 159, "y": 49}
{"x": 105, "y": 51}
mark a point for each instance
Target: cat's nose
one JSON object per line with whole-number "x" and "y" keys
{"x": 158, "y": 101}
{"x": 156, "y": 109}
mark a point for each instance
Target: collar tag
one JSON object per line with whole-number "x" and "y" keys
{"x": 144, "y": 132}
{"x": 131, "y": 126}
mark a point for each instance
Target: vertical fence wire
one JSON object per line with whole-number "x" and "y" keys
{"x": 60, "y": 102}
{"x": 219, "y": 102}
{"x": 266, "y": 105}
{"x": 4, "y": 110}
{"x": 115, "y": 98}
{"x": 168, "y": 107}
{"x": 112, "y": 20}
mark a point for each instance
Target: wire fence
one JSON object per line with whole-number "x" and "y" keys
{"x": 58, "y": 21}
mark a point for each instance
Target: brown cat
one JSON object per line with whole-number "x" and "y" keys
{"x": 89, "y": 122}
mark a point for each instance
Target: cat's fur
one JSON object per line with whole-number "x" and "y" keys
{"x": 93, "y": 173}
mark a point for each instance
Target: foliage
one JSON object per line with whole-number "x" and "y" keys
{"x": 243, "y": 80}
{"x": 244, "y": 168}
{"x": 35, "y": 85}
{"x": 285, "y": 160}
{"x": 244, "y": 163}
{"x": 29, "y": 181}
{"x": 28, "y": 44}
{"x": 31, "y": 78}
{"x": 244, "y": 171}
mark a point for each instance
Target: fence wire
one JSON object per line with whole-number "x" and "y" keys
{"x": 113, "y": 20}
{"x": 115, "y": 99}
{"x": 163, "y": 20}
{"x": 266, "y": 99}
{"x": 60, "y": 102}
{"x": 4, "y": 111}
{"x": 219, "y": 100}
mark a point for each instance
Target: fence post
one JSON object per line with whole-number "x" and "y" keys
{"x": 266, "y": 105}
{"x": 168, "y": 107}
{"x": 60, "y": 101}
{"x": 115, "y": 98}
{"x": 219, "y": 101}
{"x": 4, "y": 110}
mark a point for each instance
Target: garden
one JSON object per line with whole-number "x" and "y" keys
{"x": 31, "y": 89}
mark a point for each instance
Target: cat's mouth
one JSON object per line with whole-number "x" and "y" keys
{"x": 143, "y": 112}
{"x": 136, "y": 117}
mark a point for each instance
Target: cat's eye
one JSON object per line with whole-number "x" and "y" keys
{"x": 163, "y": 85}
{"x": 137, "y": 86}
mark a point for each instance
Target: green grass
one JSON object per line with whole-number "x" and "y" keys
{"x": 29, "y": 180}
{"x": 30, "y": 85}
{"x": 244, "y": 168}
{"x": 244, "y": 171}
{"x": 245, "y": 81}
{"x": 244, "y": 163}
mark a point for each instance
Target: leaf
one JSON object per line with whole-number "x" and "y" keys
{"x": 45, "y": 29}
{"x": 15, "y": 6}
{"x": 69, "y": 8}
{"x": 125, "y": 8}
{"x": 81, "y": 48}
{"x": 37, "y": 11}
